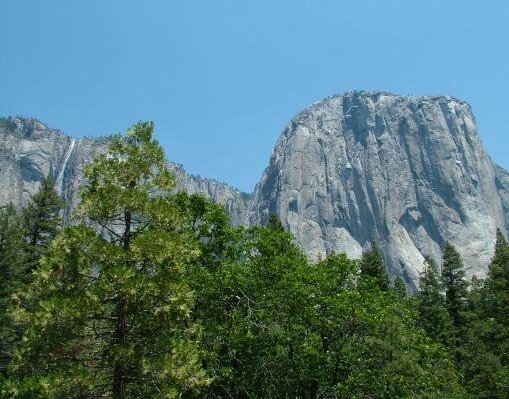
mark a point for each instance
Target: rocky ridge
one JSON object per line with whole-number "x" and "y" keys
{"x": 408, "y": 172}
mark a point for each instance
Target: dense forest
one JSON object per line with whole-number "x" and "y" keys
{"x": 150, "y": 293}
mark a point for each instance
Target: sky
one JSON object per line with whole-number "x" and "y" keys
{"x": 222, "y": 78}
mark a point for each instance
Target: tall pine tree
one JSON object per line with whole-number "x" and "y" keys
{"x": 454, "y": 284}
{"x": 433, "y": 315}
{"x": 114, "y": 316}
{"x": 25, "y": 236}
{"x": 42, "y": 222}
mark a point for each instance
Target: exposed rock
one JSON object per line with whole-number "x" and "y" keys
{"x": 407, "y": 172}
{"x": 30, "y": 151}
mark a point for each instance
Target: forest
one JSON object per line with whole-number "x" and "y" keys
{"x": 149, "y": 292}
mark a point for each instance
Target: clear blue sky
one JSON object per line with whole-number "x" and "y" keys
{"x": 222, "y": 78}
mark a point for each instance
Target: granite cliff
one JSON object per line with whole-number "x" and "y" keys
{"x": 408, "y": 172}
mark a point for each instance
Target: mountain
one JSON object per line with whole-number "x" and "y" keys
{"x": 407, "y": 172}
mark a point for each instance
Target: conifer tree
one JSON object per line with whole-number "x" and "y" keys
{"x": 372, "y": 269}
{"x": 497, "y": 283}
{"x": 433, "y": 315}
{"x": 399, "y": 288}
{"x": 12, "y": 261}
{"x": 114, "y": 315}
{"x": 42, "y": 222}
{"x": 454, "y": 284}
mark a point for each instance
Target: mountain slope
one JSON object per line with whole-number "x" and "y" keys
{"x": 407, "y": 172}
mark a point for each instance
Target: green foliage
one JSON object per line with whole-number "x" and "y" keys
{"x": 277, "y": 326}
{"x": 113, "y": 316}
{"x": 434, "y": 317}
{"x": 12, "y": 262}
{"x": 486, "y": 350}
{"x": 42, "y": 222}
{"x": 24, "y": 237}
{"x": 151, "y": 293}
{"x": 372, "y": 268}
{"x": 455, "y": 286}
{"x": 400, "y": 288}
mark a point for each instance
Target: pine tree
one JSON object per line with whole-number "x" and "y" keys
{"x": 372, "y": 269}
{"x": 26, "y": 236}
{"x": 454, "y": 283}
{"x": 42, "y": 221}
{"x": 494, "y": 322}
{"x": 456, "y": 291}
{"x": 497, "y": 284}
{"x": 114, "y": 315}
{"x": 399, "y": 288}
{"x": 433, "y": 315}
{"x": 12, "y": 262}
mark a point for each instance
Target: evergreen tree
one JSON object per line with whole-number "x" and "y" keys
{"x": 42, "y": 221}
{"x": 497, "y": 284}
{"x": 12, "y": 261}
{"x": 456, "y": 291}
{"x": 454, "y": 284}
{"x": 372, "y": 269}
{"x": 488, "y": 362}
{"x": 399, "y": 288}
{"x": 27, "y": 233}
{"x": 433, "y": 315}
{"x": 479, "y": 364}
{"x": 114, "y": 315}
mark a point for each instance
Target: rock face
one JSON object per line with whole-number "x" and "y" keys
{"x": 407, "y": 172}
{"x": 29, "y": 150}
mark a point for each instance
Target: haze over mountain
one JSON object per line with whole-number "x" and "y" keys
{"x": 407, "y": 172}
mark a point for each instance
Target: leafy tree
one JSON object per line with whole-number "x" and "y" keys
{"x": 277, "y": 326}
{"x": 114, "y": 315}
{"x": 372, "y": 269}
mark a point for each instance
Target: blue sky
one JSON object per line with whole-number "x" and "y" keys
{"x": 222, "y": 78}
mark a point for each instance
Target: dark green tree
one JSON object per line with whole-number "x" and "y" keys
{"x": 28, "y": 233}
{"x": 433, "y": 315}
{"x": 399, "y": 288}
{"x": 113, "y": 317}
{"x": 454, "y": 285}
{"x": 372, "y": 269}
{"x": 497, "y": 285}
{"x": 42, "y": 221}
{"x": 12, "y": 262}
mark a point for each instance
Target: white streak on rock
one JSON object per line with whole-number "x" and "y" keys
{"x": 59, "y": 182}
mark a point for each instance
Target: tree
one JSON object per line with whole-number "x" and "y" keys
{"x": 454, "y": 284}
{"x": 372, "y": 269}
{"x": 433, "y": 315}
{"x": 456, "y": 291}
{"x": 42, "y": 222}
{"x": 25, "y": 235}
{"x": 399, "y": 288}
{"x": 114, "y": 315}
{"x": 497, "y": 283}
{"x": 12, "y": 261}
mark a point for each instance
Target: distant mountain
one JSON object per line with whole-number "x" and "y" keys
{"x": 409, "y": 173}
